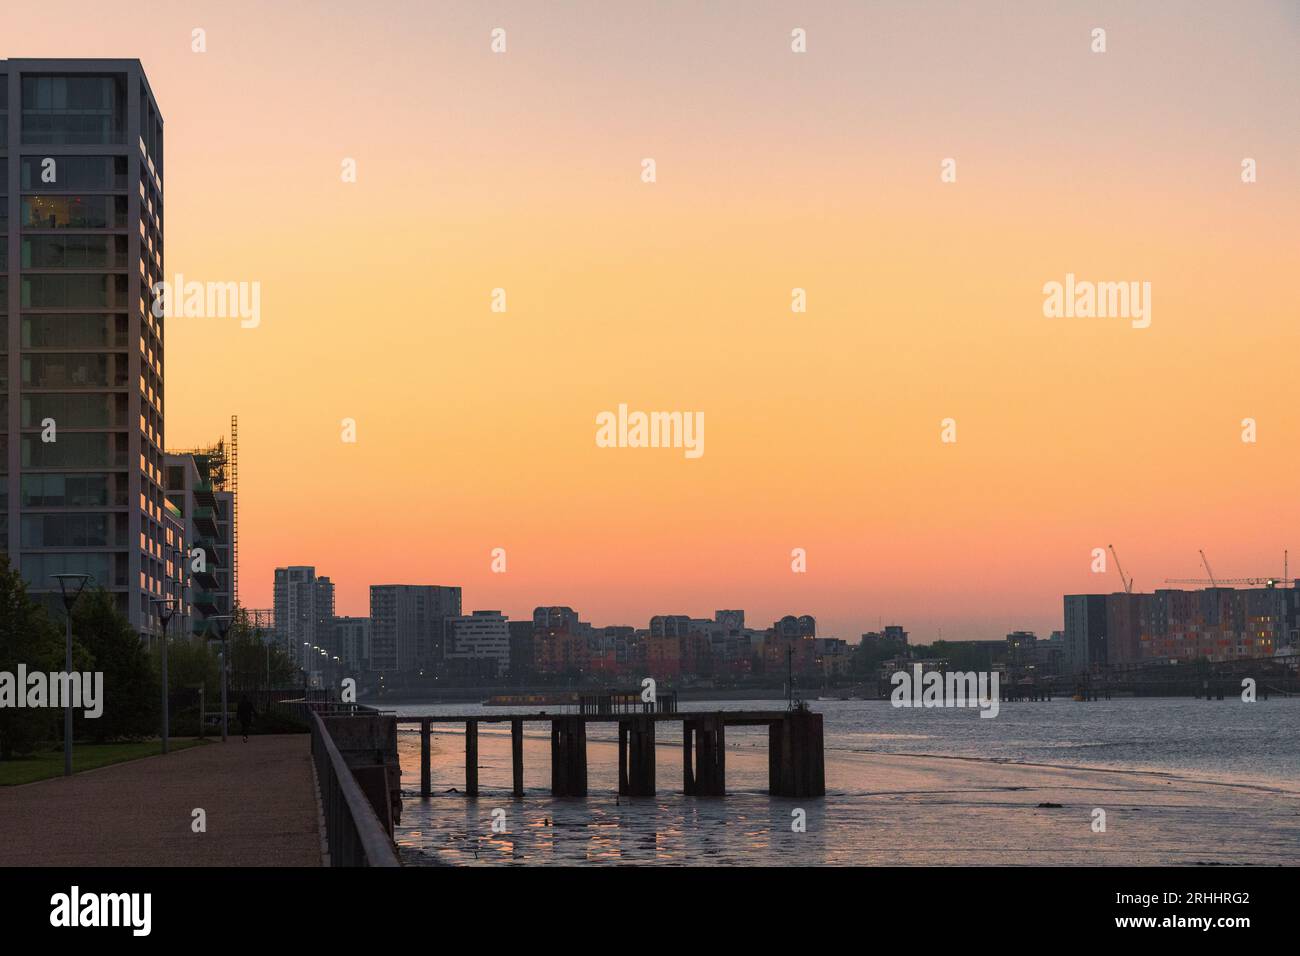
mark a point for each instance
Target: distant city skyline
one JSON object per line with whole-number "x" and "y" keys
{"x": 895, "y": 629}
{"x": 423, "y": 632}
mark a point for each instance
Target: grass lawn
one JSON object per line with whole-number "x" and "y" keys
{"x": 49, "y": 763}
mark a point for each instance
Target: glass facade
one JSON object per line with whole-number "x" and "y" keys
{"x": 4, "y": 313}
{"x": 82, "y": 423}
{"x": 63, "y": 110}
{"x": 73, "y": 212}
{"x": 73, "y": 173}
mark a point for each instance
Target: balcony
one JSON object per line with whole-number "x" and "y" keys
{"x": 212, "y": 557}
{"x": 206, "y": 579}
{"x": 205, "y": 520}
{"x": 203, "y": 495}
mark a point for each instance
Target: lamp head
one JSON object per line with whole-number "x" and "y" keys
{"x": 165, "y": 608}
{"x": 70, "y": 587}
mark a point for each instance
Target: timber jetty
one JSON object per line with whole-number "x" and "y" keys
{"x": 796, "y": 761}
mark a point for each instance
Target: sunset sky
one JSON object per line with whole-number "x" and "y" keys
{"x": 775, "y": 170}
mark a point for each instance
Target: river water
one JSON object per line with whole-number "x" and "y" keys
{"x": 1176, "y": 780}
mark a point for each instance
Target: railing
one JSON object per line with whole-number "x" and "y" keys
{"x": 301, "y": 709}
{"x": 355, "y": 835}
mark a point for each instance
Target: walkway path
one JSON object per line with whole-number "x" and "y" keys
{"x": 260, "y": 800}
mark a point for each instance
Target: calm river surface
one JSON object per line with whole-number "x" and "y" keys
{"x": 1180, "y": 781}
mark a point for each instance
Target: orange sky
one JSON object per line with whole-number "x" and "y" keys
{"x": 775, "y": 170}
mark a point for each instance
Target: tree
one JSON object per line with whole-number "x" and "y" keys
{"x": 191, "y": 662}
{"x": 256, "y": 663}
{"x": 867, "y": 658}
{"x": 30, "y": 638}
{"x": 131, "y": 688}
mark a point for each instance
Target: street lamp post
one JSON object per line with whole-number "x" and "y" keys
{"x": 165, "y": 609}
{"x": 70, "y": 586}
{"x": 223, "y": 622}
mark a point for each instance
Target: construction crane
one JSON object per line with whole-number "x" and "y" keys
{"x": 1267, "y": 582}
{"x": 1127, "y": 582}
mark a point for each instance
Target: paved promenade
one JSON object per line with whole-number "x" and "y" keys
{"x": 260, "y": 799}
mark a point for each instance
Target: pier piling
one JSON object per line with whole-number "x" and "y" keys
{"x": 471, "y": 758}
{"x": 688, "y": 760}
{"x": 636, "y": 757}
{"x": 623, "y": 786}
{"x": 796, "y": 765}
{"x": 710, "y": 758}
{"x": 568, "y": 757}
{"x": 426, "y": 783}
{"x": 517, "y": 756}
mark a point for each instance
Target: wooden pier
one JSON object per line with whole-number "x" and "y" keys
{"x": 795, "y": 757}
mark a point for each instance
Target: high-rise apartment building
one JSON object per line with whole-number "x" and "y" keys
{"x": 198, "y": 487}
{"x": 408, "y": 625}
{"x": 176, "y": 587}
{"x": 1176, "y": 626}
{"x": 81, "y": 248}
{"x": 481, "y": 638}
{"x": 304, "y": 615}
{"x": 352, "y": 642}
{"x": 1085, "y": 632}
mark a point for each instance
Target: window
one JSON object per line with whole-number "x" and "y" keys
{"x": 73, "y": 291}
{"x": 75, "y": 450}
{"x": 53, "y": 370}
{"x": 74, "y": 252}
{"x": 74, "y": 331}
{"x": 103, "y": 569}
{"x": 73, "y": 173}
{"x": 74, "y": 110}
{"x": 76, "y": 410}
{"x": 68, "y": 491}
{"x": 73, "y": 212}
{"x": 66, "y": 531}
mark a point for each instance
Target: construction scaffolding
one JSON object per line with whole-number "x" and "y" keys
{"x": 218, "y": 473}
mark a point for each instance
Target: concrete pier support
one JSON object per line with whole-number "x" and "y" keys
{"x": 623, "y": 786}
{"x": 568, "y": 757}
{"x": 688, "y": 757}
{"x": 636, "y": 757}
{"x": 796, "y": 765}
{"x": 426, "y": 777}
{"x": 517, "y": 756}
{"x": 471, "y": 758}
{"x": 710, "y": 758}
